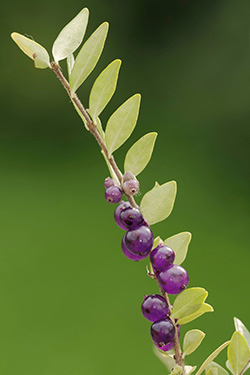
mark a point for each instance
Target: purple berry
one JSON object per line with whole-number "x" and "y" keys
{"x": 154, "y": 308}
{"x": 170, "y": 346}
{"x": 108, "y": 182}
{"x": 174, "y": 279}
{"x": 131, "y": 187}
{"x": 163, "y": 332}
{"x": 131, "y": 218}
{"x": 162, "y": 257}
{"x": 113, "y": 194}
{"x": 122, "y": 206}
{"x": 139, "y": 241}
{"x": 129, "y": 255}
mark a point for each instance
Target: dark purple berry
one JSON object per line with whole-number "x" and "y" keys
{"x": 170, "y": 346}
{"x": 108, "y": 182}
{"x": 129, "y": 255}
{"x": 154, "y": 308}
{"x": 174, "y": 279}
{"x": 163, "y": 332}
{"x": 139, "y": 241}
{"x": 131, "y": 218}
{"x": 113, "y": 194}
{"x": 122, "y": 206}
{"x": 131, "y": 187}
{"x": 162, "y": 257}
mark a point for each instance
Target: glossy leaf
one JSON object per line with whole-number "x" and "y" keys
{"x": 179, "y": 243}
{"x": 214, "y": 365}
{"x": 205, "y": 307}
{"x": 212, "y": 357}
{"x": 32, "y": 49}
{"x": 192, "y": 341}
{"x": 70, "y": 63}
{"x": 190, "y": 369}
{"x": 104, "y": 88}
{"x": 121, "y": 123}
{"x": 188, "y": 301}
{"x": 239, "y": 326}
{"x": 238, "y": 352}
{"x": 140, "y": 153}
{"x": 88, "y": 57}
{"x": 71, "y": 36}
{"x": 157, "y": 204}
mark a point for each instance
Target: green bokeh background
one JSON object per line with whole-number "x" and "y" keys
{"x": 70, "y": 301}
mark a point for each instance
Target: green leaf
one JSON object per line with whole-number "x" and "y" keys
{"x": 214, "y": 365}
{"x": 168, "y": 361}
{"x": 192, "y": 341}
{"x": 140, "y": 153}
{"x": 190, "y": 369}
{"x": 188, "y": 301}
{"x": 179, "y": 243}
{"x": 157, "y": 241}
{"x": 229, "y": 367}
{"x": 32, "y": 49}
{"x": 111, "y": 171}
{"x": 71, "y": 36}
{"x": 212, "y": 357}
{"x": 99, "y": 128}
{"x": 205, "y": 307}
{"x": 81, "y": 115}
{"x": 121, "y": 123}
{"x": 88, "y": 57}
{"x": 104, "y": 88}
{"x": 157, "y": 204}
{"x": 239, "y": 326}
{"x": 70, "y": 63}
{"x": 212, "y": 371}
{"x": 238, "y": 352}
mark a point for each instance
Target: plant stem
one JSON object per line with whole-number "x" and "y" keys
{"x": 93, "y": 129}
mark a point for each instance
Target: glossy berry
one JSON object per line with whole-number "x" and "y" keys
{"x": 113, "y": 194}
{"x": 154, "y": 308}
{"x": 174, "y": 279}
{"x": 130, "y": 255}
{"x": 131, "y": 218}
{"x": 139, "y": 241}
{"x": 162, "y": 257}
{"x": 163, "y": 333}
{"x": 131, "y": 187}
{"x": 170, "y": 346}
{"x": 122, "y": 206}
{"x": 108, "y": 182}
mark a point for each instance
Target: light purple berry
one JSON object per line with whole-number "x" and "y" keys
{"x": 129, "y": 255}
{"x": 131, "y": 218}
{"x": 122, "y": 206}
{"x": 139, "y": 241}
{"x": 131, "y": 187}
{"x": 174, "y": 279}
{"x": 163, "y": 332}
{"x": 162, "y": 257}
{"x": 108, "y": 182}
{"x": 113, "y": 194}
{"x": 154, "y": 308}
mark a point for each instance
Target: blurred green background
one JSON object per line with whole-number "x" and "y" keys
{"x": 70, "y": 300}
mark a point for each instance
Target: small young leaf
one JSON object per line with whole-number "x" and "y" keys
{"x": 157, "y": 241}
{"x": 121, "y": 123}
{"x": 111, "y": 171}
{"x": 104, "y": 88}
{"x": 229, "y": 367}
{"x": 70, "y": 63}
{"x": 32, "y": 49}
{"x": 179, "y": 243}
{"x": 190, "y": 369}
{"x": 238, "y": 353}
{"x": 88, "y": 56}
{"x": 71, "y": 36}
{"x": 212, "y": 357}
{"x": 81, "y": 115}
{"x": 205, "y": 307}
{"x": 212, "y": 371}
{"x": 239, "y": 326}
{"x": 157, "y": 204}
{"x": 187, "y": 302}
{"x": 168, "y": 361}
{"x": 99, "y": 128}
{"x": 140, "y": 153}
{"x": 220, "y": 370}
{"x": 192, "y": 340}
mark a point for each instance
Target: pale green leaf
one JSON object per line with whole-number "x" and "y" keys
{"x": 81, "y": 115}
{"x": 239, "y": 326}
{"x": 140, "y": 153}
{"x": 157, "y": 204}
{"x": 99, "y": 128}
{"x": 220, "y": 370}
{"x": 104, "y": 88}
{"x": 179, "y": 243}
{"x": 238, "y": 352}
{"x": 212, "y": 357}
{"x": 70, "y": 63}
{"x": 157, "y": 241}
{"x": 168, "y": 361}
{"x": 88, "y": 57}
{"x": 32, "y": 49}
{"x": 192, "y": 341}
{"x": 156, "y": 185}
{"x": 190, "y": 369}
{"x": 71, "y": 36}
{"x": 188, "y": 301}
{"x": 205, "y": 307}
{"x": 121, "y": 123}
{"x": 229, "y": 367}
{"x": 111, "y": 171}
{"x": 212, "y": 371}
